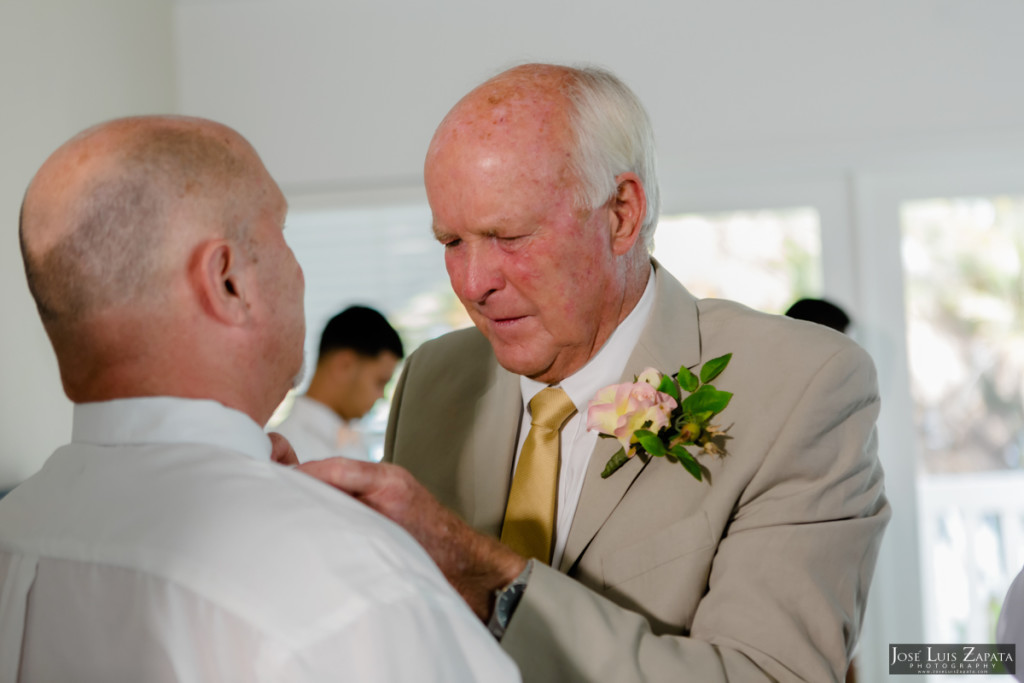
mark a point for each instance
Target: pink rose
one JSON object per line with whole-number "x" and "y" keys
{"x": 621, "y": 409}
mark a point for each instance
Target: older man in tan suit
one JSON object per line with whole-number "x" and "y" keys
{"x": 543, "y": 192}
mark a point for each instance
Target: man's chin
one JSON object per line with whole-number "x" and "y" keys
{"x": 519, "y": 364}
{"x": 549, "y": 369}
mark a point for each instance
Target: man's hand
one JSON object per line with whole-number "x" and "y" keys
{"x": 476, "y": 565}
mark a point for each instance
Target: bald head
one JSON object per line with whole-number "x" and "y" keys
{"x": 102, "y": 216}
{"x": 153, "y": 247}
{"x": 586, "y": 121}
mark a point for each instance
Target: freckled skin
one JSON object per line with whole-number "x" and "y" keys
{"x": 544, "y": 282}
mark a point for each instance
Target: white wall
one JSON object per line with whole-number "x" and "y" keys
{"x": 64, "y": 65}
{"x": 752, "y": 101}
{"x": 346, "y": 94}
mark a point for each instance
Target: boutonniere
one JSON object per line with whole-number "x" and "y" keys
{"x": 650, "y": 417}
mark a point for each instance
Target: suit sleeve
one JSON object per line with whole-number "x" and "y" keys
{"x": 789, "y": 579}
{"x": 396, "y": 407}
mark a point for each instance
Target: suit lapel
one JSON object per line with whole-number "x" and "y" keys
{"x": 491, "y": 449}
{"x": 598, "y": 498}
{"x": 671, "y": 338}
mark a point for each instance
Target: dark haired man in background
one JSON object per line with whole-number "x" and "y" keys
{"x": 359, "y": 351}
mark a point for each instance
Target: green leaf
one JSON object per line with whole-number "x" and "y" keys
{"x": 650, "y": 441}
{"x": 679, "y": 452}
{"x": 688, "y": 461}
{"x": 713, "y": 368}
{"x": 703, "y": 417}
{"x": 707, "y": 398}
{"x": 692, "y": 467}
{"x": 687, "y": 380}
{"x": 614, "y": 463}
{"x": 668, "y": 386}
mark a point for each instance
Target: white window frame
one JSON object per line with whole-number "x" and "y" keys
{"x": 896, "y": 610}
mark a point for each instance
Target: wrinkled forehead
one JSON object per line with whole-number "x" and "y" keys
{"x": 502, "y": 133}
{"x": 507, "y": 111}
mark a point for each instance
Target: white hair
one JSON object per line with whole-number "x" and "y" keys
{"x": 613, "y": 135}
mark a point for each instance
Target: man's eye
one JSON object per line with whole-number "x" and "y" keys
{"x": 452, "y": 243}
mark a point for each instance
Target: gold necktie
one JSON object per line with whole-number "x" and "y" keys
{"x": 530, "y": 514}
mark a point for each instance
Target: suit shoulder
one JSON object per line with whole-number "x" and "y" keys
{"x": 783, "y": 341}
{"x": 461, "y": 362}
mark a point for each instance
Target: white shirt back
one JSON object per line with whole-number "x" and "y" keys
{"x": 163, "y": 545}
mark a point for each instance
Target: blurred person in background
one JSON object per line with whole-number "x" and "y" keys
{"x": 820, "y": 311}
{"x": 358, "y": 354}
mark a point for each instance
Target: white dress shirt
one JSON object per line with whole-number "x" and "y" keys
{"x": 577, "y": 443}
{"x": 161, "y": 544}
{"x": 316, "y": 432}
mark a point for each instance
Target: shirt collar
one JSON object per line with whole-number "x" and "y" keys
{"x": 321, "y": 414}
{"x": 168, "y": 420}
{"x": 608, "y": 363}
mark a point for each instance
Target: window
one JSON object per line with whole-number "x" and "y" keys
{"x": 965, "y": 330}
{"x": 765, "y": 259}
{"x": 385, "y": 257}
{"x": 964, "y": 299}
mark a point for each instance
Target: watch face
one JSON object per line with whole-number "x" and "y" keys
{"x": 507, "y": 602}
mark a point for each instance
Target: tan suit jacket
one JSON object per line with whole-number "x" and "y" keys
{"x": 759, "y": 572}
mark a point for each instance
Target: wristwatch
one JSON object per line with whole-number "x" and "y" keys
{"x": 505, "y": 602}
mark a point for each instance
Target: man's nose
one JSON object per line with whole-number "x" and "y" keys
{"x": 479, "y": 273}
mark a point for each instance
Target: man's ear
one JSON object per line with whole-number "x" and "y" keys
{"x": 217, "y": 280}
{"x": 628, "y": 207}
{"x": 343, "y": 362}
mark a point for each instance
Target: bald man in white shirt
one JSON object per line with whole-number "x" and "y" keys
{"x": 162, "y": 543}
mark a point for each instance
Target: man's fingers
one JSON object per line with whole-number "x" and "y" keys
{"x": 281, "y": 451}
{"x": 354, "y": 477}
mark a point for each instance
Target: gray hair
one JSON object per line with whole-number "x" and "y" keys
{"x": 613, "y": 136}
